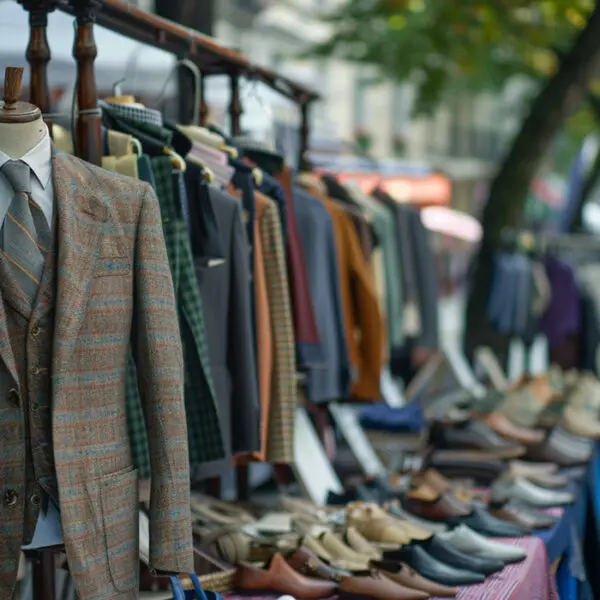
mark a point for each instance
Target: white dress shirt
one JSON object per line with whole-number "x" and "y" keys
{"x": 39, "y": 159}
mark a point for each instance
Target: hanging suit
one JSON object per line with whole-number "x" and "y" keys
{"x": 106, "y": 284}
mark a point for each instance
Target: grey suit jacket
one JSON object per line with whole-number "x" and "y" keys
{"x": 426, "y": 279}
{"x": 332, "y": 380}
{"x": 227, "y": 313}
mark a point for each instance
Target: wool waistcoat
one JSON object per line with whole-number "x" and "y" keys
{"x": 27, "y": 470}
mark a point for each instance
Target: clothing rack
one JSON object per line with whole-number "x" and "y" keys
{"x": 529, "y": 241}
{"x": 120, "y": 17}
{"x": 130, "y": 21}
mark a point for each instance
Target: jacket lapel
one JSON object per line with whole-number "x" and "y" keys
{"x": 81, "y": 215}
{"x": 6, "y": 353}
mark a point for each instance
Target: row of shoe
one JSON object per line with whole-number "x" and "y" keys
{"x": 552, "y": 418}
{"x": 362, "y": 549}
{"x": 492, "y": 468}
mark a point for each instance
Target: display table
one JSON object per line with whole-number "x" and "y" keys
{"x": 566, "y": 541}
{"x": 531, "y": 579}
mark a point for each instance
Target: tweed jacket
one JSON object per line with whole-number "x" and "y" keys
{"x": 113, "y": 289}
{"x": 282, "y": 409}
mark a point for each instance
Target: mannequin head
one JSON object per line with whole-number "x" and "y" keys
{"x": 21, "y": 124}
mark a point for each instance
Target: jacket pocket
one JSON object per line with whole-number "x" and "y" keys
{"x": 119, "y": 499}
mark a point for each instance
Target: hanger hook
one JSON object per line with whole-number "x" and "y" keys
{"x": 195, "y": 70}
{"x": 117, "y": 90}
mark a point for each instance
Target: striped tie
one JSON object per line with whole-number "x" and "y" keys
{"x": 25, "y": 234}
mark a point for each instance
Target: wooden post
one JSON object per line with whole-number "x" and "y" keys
{"x": 235, "y": 106}
{"x": 89, "y": 136}
{"x": 304, "y": 137}
{"x": 38, "y": 53}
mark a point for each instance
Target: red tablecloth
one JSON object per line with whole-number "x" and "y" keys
{"x": 531, "y": 579}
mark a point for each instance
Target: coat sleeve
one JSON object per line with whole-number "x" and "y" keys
{"x": 158, "y": 356}
{"x": 245, "y": 409}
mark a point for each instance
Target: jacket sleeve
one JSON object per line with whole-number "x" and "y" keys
{"x": 158, "y": 356}
{"x": 245, "y": 409}
{"x": 369, "y": 320}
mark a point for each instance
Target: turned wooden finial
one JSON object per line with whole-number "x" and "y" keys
{"x": 14, "y": 111}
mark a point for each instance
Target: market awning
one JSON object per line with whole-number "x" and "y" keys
{"x": 434, "y": 189}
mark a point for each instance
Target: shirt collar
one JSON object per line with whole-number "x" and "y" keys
{"x": 38, "y": 159}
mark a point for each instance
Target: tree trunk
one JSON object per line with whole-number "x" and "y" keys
{"x": 556, "y": 102}
{"x": 594, "y": 174}
{"x": 586, "y": 189}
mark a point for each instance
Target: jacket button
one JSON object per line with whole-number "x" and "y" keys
{"x": 35, "y": 499}
{"x": 13, "y": 396}
{"x": 35, "y": 331}
{"x": 10, "y": 497}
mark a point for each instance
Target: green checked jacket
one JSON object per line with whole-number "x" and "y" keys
{"x": 204, "y": 432}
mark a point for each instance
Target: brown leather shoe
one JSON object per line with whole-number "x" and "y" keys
{"x": 525, "y": 518}
{"x": 307, "y": 563}
{"x": 503, "y": 426}
{"x": 401, "y": 573}
{"x": 428, "y": 504}
{"x": 379, "y": 587}
{"x": 370, "y": 585}
{"x": 441, "y": 484}
{"x": 282, "y": 579}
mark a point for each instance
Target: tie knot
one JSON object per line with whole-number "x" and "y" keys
{"x": 18, "y": 175}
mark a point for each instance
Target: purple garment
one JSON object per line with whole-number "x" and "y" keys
{"x": 563, "y": 315}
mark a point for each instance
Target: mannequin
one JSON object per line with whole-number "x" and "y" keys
{"x": 63, "y": 432}
{"x": 22, "y": 130}
{"x": 21, "y": 124}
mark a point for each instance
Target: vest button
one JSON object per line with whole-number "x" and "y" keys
{"x": 13, "y": 396}
{"x": 35, "y": 331}
{"x": 10, "y": 498}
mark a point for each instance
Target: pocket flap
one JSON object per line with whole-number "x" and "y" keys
{"x": 119, "y": 497}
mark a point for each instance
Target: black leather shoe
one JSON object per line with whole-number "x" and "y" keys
{"x": 483, "y": 522}
{"x": 418, "y": 559}
{"x": 455, "y": 558}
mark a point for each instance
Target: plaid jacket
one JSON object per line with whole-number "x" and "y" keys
{"x": 113, "y": 289}
{"x": 204, "y": 429}
{"x": 282, "y": 408}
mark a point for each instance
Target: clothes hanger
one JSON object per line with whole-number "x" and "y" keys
{"x": 176, "y": 160}
{"x": 119, "y": 98}
{"x": 258, "y": 176}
